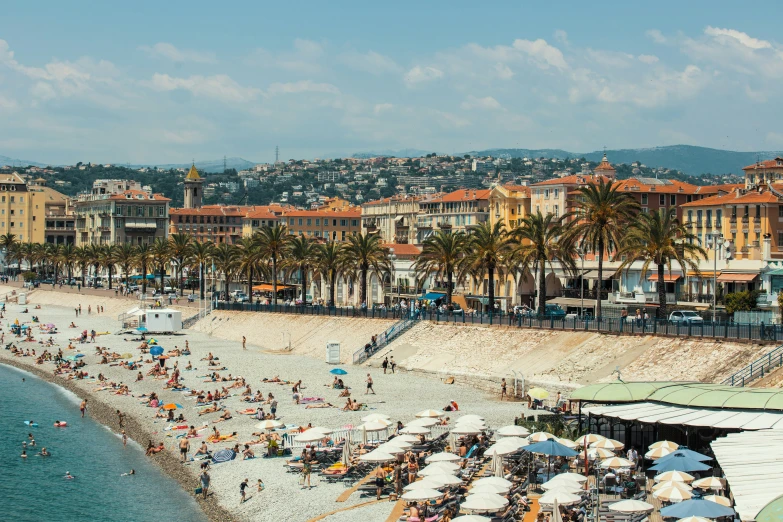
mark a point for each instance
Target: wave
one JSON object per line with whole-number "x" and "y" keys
{"x": 72, "y": 397}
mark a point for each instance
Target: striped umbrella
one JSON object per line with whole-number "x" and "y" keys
{"x": 673, "y": 484}
{"x": 269, "y": 425}
{"x": 709, "y": 483}
{"x": 223, "y": 456}
{"x": 609, "y": 444}
{"x": 718, "y": 499}
{"x": 540, "y": 436}
{"x": 672, "y": 494}
{"x": 677, "y": 476}
{"x": 430, "y": 413}
{"x": 657, "y": 453}
{"x": 599, "y": 453}
{"x": 665, "y": 444}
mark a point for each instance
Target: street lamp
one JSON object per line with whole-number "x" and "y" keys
{"x": 715, "y": 242}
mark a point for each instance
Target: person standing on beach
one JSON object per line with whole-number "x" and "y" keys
{"x": 184, "y": 447}
{"x": 244, "y": 343}
{"x": 242, "y": 487}
{"x": 124, "y": 438}
{"x": 385, "y": 364}
{"x": 392, "y": 363}
{"x": 121, "y": 419}
{"x": 204, "y": 483}
{"x": 83, "y": 407}
{"x": 502, "y": 388}
{"x": 273, "y": 408}
{"x": 369, "y": 385}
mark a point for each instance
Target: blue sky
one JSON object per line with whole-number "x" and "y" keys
{"x": 164, "y": 82}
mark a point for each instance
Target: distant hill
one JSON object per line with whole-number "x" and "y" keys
{"x": 5, "y": 160}
{"x": 207, "y": 165}
{"x": 402, "y": 153}
{"x": 685, "y": 158}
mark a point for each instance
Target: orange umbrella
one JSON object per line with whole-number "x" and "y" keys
{"x": 171, "y": 406}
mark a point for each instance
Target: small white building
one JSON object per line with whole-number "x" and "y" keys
{"x": 162, "y": 320}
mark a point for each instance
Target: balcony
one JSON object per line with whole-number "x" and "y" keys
{"x": 444, "y": 225}
{"x": 745, "y": 219}
{"x": 733, "y": 220}
{"x": 699, "y": 224}
{"x": 718, "y": 223}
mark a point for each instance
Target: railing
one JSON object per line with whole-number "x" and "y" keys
{"x": 337, "y": 311}
{"x": 397, "y": 329}
{"x": 757, "y": 369}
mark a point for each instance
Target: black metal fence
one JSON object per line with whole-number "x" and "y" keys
{"x": 700, "y": 329}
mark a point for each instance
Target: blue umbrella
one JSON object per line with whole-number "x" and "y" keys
{"x": 552, "y": 448}
{"x": 679, "y": 463}
{"x": 141, "y": 329}
{"x": 695, "y": 455}
{"x": 697, "y": 508}
{"x": 156, "y": 350}
{"x": 72, "y": 358}
{"x": 79, "y": 355}
{"x": 338, "y": 371}
{"x": 223, "y": 456}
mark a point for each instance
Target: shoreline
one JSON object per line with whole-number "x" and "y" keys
{"x": 106, "y": 415}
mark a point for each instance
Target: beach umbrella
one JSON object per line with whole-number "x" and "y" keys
{"x": 574, "y": 477}
{"x": 586, "y": 440}
{"x": 223, "y": 456}
{"x": 708, "y": 483}
{"x": 697, "y": 508}
{"x": 325, "y": 431}
{"x": 657, "y": 453}
{"x": 484, "y": 503}
{"x": 551, "y": 448}
{"x": 156, "y": 350}
{"x": 513, "y": 441}
{"x": 126, "y": 356}
{"x": 685, "y": 452}
{"x": 445, "y": 478}
{"x": 500, "y": 449}
{"x": 406, "y": 438}
{"x": 488, "y": 488}
{"x": 677, "y": 476}
{"x": 540, "y": 436}
{"x": 567, "y": 485}
{"x": 338, "y": 371}
{"x": 631, "y": 506}
{"x": 377, "y": 456}
{"x": 141, "y": 329}
{"x": 439, "y": 468}
{"x": 425, "y": 483}
{"x": 171, "y": 406}
{"x": 310, "y": 435}
{"x": 269, "y": 425}
{"x": 538, "y": 393}
{"x": 391, "y": 449}
{"x": 494, "y": 480}
{"x": 374, "y": 417}
{"x": 609, "y": 444}
{"x": 678, "y": 463}
{"x": 616, "y": 462}
{"x": 376, "y": 425}
{"x": 664, "y": 444}
{"x": 497, "y": 466}
{"x": 421, "y": 494}
{"x": 512, "y": 431}
{"x": 561, "y": 496}
{"x": 470, "y": 417}
{"x": 416, "y": 430}
{"x": 345, "y": 457}
{"x": 399, "y": 442}
{"x": 672, "y": 494}
{"x": 430, "y": 413}
{"x": 426, "y": 422}
{"x": 694, "y": 519}
{"x": 472, "y": 518}
{"x": 567, "y": 443}
{"x": 723, "y": 501}
{"x": 672, "y": 484}
{"x": 50, "y": 325}
{"x": 79, "y": 355}
{"x": 72, "y": 358}
{"x": 442, "y": 457}
{"x": 599, "y": 453}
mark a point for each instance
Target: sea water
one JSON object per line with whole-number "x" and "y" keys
{"x": 34, "y": 489}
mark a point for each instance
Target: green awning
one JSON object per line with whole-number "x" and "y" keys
{"x": 618, "y": 391}
{"x": 778, "y": 272}
{"x": 772, "y": 512}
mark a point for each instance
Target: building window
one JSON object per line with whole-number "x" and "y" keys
{"x": 291, "y": 221}
{"x": 140, "y": 211}
{"x": 780, "y": 239}
{"x": 161, "y": 211}
{"x": 300, "y": 222}
{"x": 644, "y": 199}
{"x": 690, "y": 215}
{"x": 343, "y": 222}
{"x": 354, "y": 222}
{"x": 662, "y": 200}
{"x": 309, "y": 222}
{"x": 318, "y": 220}
{"x": 672, "y": 200}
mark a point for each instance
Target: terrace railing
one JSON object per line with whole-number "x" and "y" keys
{"x": 757, "y": 369}
{"x": 397, "y": 329}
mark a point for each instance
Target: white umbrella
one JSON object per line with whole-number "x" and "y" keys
{"x": 616, "y": 462}
{"x": 377, "y": 456}
{"x": 540, "y": 436}
{"x": 516, "y": 442}
{"x": 467, "y": 429}
{"x": 672, "y": 494}
{"x": 672, "y": 484}
{"x": 488, "y": 488}
{"x": 556, "y": 513}
{"x": 512, "y": 431}
{"x": 391, "y": 449}
{"x": 494, "y": 480}
{"x": 423, "y": 484}
{"x": 310, "y": 435}
{"x": 631, "y": 506}
{"x": 439, "y": 468}
{"x": 567, "y": 443}
{"x": 346, "y": 454}
{"x": 708, "y": 483}
{"x": 484, "y": 503}
{"x": 430, "y": 413}
{"x": 472, "y": 518}
{"x": 325, "y": 431}
{"x": 694, "y": 518}
{"x": 566, "y": 485}
{"x": 500, "y": 449}
{"x": 497, "y": 466}
{"x": 665, "y": 444}
{"x": 657, "y": 453}
{"x": 677, "y": 476}
{"x": 442, "y": 457}
{"x": 399, "y": 442}
{"x": 406, "y": 438}
{"x": 424, "y": 421}
{"x": 445, "y": 479}
{"x": 372, "y": 426}
{"x": 599, "y": 453}
{"x": 590, "y": 438}
{"x": 464, "y": 418}
{"x": 609, "y": 444}
{"x": 574, "y": 477}
{"x": 718, "y": 499}
{"x": 421, "y": 494}
{"x": 375, "y": 416}
{"x": 416, "y": 430}
{"x": 269, "y": 425}
{"x": 562, "y": 497}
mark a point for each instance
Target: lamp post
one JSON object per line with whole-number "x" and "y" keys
{"x": 715, "y": 243}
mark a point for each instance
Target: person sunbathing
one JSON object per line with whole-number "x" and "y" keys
{"x": 210, "y": 409}
{"x": 345, "y": 393}
{"x": 324, "y": 405}
{"x": 226, "y": 416}
{"x": 248, "y": 453}
{"x": 203, "y": 449}
{"x": 154, "y": 449}
{"x": 72, "y": 325}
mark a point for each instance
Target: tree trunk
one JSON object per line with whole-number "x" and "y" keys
{"x": 449, "y": 279}
{"x": 144, "y": 278}
{"x": 363, "y": 290}
{"x": 179, "y": 277}
{"x": 661, "y": 294}
{"x": 109, "y": 276}
{"x": 600, "y": 278}
{"x": 491, "y": 289}
{"x": 542, "y": 289}
{"x": 250, "y": 282}
{"x": 303, "y": 280}
{"x": 274, "y": 280}
{"x": 333, "y": 281}
{"x": 202, "y": 281}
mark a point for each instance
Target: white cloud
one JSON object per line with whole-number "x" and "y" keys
{"x": 305, "y": 58}
{"x": 542, "y": 53}
{"x": 561, "y": 36}
{"x": 487, "y": 103}
{"x": 371, "y": 62}
{"x": 656, "y": 36}
{"x": 741, "y": 37}
{"x": 503, "y": 71}
{"x": 7, "y": 103}
{"x": 43, "y": 91}
{"x": 302, "y": 86}
{"x": 382, "y": 107}
{"x": 170, "y": 52}
{"x": 648, "y": 58}
{"x": 421, "y": 74}
{"x": 220, "y": 87}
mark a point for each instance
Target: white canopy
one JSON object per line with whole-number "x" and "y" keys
{"x": 311, "y": 435}
{"x": 484, "y": 503}
{"x": 631, "y": 506}
{"x": 512, "y": 431}
{"x": 493, "y": 480}
{"x": 422, "y": 494}
{"x": 430, "y": 413}
{"x": 488, "y": 488}
{"x": 439, "y": 468}
{"x": 443, "y": 457}
{"x": 377, "y": 456}
{"x": 564, "y": 498}
{"x": 416, "y": 430}
{"x": 425, "y": 422}
{"x": 651, "y": 413}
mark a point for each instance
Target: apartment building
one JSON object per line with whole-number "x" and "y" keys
{"x": 455, "y": 211}
{"x": 328, "y": 224}
{"x": 509, "y": 204}
{"x": 393, "y": 218}
{"x": 215, "y": 223}
{"x": 23, "y": 207}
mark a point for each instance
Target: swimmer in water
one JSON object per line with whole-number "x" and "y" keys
{"x": 44, "y": 453}
{"x": 24, "y": 454}
{"x": 131, "y": 472}
{"x": 68, "y": 475}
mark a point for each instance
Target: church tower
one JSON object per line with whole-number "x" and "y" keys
{"x": 193, "y": 192}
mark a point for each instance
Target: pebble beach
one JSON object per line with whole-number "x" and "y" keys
{"x": 398, "y": 395}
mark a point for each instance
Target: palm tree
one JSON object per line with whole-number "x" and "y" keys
{"x": 108, "y": 257}
{"x": 28, "y": 253}
{"x": 659, "y": 238}
{"x": 329, "y": 264}
{"x": 200, "y": 257}
{"x": 488, "y": 250}
{"x": 14, "y": 253}
{"x": 180, "y": 252}
{"x": 248, "y": 258}
{"x": 67, "y": 258}
{"x": 161, "y": 256}
{"x": 143, "y": 259}
{"x": 95, "y": 256}
{"x": 81, "y": 255}
{"x": 442, "y": 255}
{"x": 8, "y": 243}
{"x": 226, "y": 260}
{"x": 365, "y": 252}
{"x": 603, "y": 214}
{"x": 272, "y": 243}
{"x": 540, "y": 241}
{"x": 300, "y": 257}
{"x": 125, "y": 256}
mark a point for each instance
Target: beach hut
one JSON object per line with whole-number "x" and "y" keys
{"x": 163, "y": 320}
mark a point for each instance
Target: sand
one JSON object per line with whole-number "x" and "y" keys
{"x": 399, "y": 395}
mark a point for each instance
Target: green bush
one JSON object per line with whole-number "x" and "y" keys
{"x": 29, "y": 277}
{"x": 741, "y": 301}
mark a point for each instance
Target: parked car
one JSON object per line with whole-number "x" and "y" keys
{"x": 241, "y": 297}
{"x": 551, "y": 310}
{"x": 685, "y": 317}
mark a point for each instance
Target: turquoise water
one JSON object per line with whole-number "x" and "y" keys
{"x": 33, "y": 489}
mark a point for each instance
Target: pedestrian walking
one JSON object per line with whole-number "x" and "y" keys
{"x": 242, "y": 487}
{"x": 204, "y": 483}
{"x": 369, "y": 385}
{"x": 393, "y": 363}
{"x": 502, "y": 388}
{"x": 121, "y": 419}
{"x": 184, "y": 447}
{"x": 83, "y": 407}
{"x": 244, "y": 343}
{"x": 385, "y": 364}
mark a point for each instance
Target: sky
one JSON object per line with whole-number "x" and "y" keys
{"x": 167, "y": 82}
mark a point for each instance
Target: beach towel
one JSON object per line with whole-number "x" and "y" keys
{"x": 311, "y": 400}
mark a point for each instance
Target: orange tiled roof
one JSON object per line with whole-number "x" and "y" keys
{"x": 714, "y": 189}
{"x": 461, "y": 195}
{"x": 212, "y": 210}
{"x": 403, "y": 249}
{"x": 672, "y": 186}
{"x": 604, "y": 166}
{"x": 766, "y": 164}
{"x": 575, "y": 179}
{"x": 350, "y": 213}
{"x": 736, "y": 198}
{"x": 135, "y": 196}
{"x": 264, "y": 212}
{"x": 518, "y": 188}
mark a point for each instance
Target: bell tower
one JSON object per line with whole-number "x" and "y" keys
{"x": 193, "y": 192}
